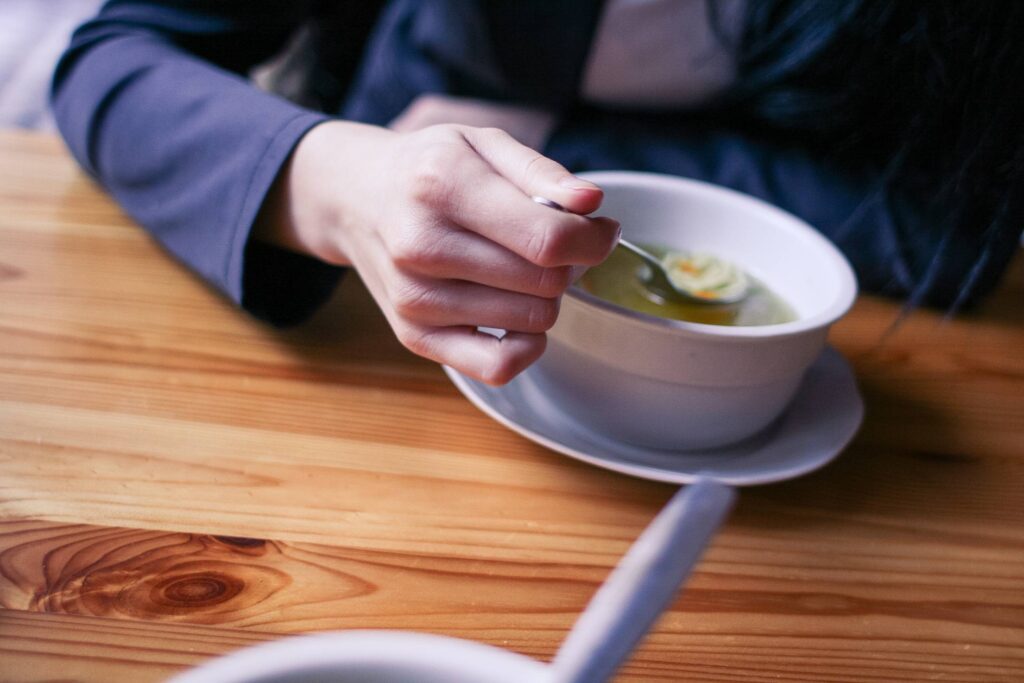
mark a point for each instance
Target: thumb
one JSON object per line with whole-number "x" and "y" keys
{"x": 533, "y": 173}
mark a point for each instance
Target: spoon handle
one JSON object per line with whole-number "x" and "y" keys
{"x": 643, "y": 584}
{"x": 642, "y": 253}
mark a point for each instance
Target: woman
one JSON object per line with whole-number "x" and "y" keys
{"x": 893, "y": 127}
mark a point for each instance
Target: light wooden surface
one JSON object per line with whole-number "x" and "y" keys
{"x": 177, "y": 481}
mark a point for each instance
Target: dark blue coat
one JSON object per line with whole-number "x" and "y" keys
{"x": 152, "y": 100}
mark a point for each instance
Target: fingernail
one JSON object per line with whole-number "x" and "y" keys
{"x": 574, "y": 183}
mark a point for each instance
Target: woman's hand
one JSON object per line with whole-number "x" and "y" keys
{"x": 440, "y": 226}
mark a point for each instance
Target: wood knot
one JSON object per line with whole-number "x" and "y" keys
{"x": 160, "y": 576}
{"x": 154, "y": 576}
{"x": 203, "y": 589}
{"x": 241, "y": 541}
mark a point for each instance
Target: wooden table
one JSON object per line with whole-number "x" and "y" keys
{"x": 178, "y": 481}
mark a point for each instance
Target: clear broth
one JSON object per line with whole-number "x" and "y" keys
{"x": 617, "y": 281}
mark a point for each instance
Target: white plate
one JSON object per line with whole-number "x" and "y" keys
{"x": 824, "y": 416}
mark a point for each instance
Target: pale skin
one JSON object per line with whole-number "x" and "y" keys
{"x": 439, "y": 223}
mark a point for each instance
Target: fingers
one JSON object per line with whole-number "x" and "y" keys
{"x": 477, "y": 354}
{"x": 447, "y": 303}
{"x": 441, "y": 252}
{"x": 437, "y": 319}
{"x": 491, "y": 206}
{"x": 532, "y": 172}
{"x": 449, "y": 179}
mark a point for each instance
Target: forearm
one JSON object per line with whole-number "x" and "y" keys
{"x": 188, "y": 150}
{"x": 187, "y": 146}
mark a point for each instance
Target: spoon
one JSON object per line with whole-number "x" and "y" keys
{"x": 732, "y": 285}
{"x": 643, "y": 584}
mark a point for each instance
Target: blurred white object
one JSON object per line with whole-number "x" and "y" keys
{"x": 369, "y": 657}
{"x": 33, "y": 34}
{"x": 643, "y": 585}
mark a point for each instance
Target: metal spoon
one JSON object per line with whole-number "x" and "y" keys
{"x": 655, "y": 278}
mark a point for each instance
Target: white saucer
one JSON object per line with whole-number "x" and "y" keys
{"x": 824, "y": 416}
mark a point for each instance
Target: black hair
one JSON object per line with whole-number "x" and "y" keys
{"x": 929, "y": 94}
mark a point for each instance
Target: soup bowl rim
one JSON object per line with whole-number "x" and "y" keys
{"x": 846, "y": 281}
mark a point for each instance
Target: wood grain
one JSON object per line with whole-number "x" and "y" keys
{"x": 57, "y": 647}
{"x": 177, "y": 480}
{"x": 37, "y": 647}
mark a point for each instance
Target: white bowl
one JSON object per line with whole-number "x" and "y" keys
{"x": 369, "y": 657}
{"x": 669, "y": 384}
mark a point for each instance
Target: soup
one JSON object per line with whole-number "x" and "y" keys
{"x": 618, "y": 281}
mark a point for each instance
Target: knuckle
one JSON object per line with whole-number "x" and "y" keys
{"x": 546, "y": 245}
{"x": 406, "y": 247}
{"x": 501, "y": 370}
{"x": 430, "y": 184}
{"x": 417, "y": 249}
{"x": 414, "y": 339}
{"x": 542, "y": 315}
{"x": 412, "y": 299}
{"x": 430, "y": 256}
{"x": 507, "y": 362}
{"x": 537, "y": 247}
{"x": 450, "y": 132}
{"x": 553, "y": 282}
{"x": 493, "y": 133}
{"x": 534, "y": 167}
{"x": 441, "y": 133}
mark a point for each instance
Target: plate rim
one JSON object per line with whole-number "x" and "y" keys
{"x": 468, "y": 388}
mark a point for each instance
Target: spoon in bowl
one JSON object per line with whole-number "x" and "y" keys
{"x": 681, "y": 276}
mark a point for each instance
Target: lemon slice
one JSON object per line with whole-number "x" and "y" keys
{"x": 705, "y": 276}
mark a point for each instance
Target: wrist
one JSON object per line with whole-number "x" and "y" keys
{"x": 316, "y": 191}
